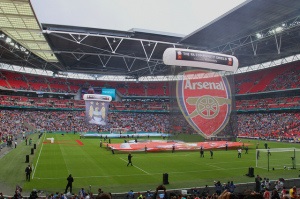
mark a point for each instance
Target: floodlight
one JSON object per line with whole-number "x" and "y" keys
{"x": 259, "y": 35}
{"x": 279, "y": 29}
{"x": 8, "y": 40}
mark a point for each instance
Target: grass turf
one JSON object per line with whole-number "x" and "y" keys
{"x": 97, "y": 167}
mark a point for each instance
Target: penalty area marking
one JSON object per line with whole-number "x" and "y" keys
{"x": 38, "y": 158}
{"x": 137, "y": 167}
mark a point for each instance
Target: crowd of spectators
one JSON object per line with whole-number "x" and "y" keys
{"x": 11, "y": 125}
{"x": 15, "y": 121}
{"x": 36, "y": 102}
{"x": 269, "y": 125}
{"x": 263, "y": 125}
{"x": 21, "y": 101}
{"x": 267, "y": 103}
{"x": 281, "y": 78}
{"x": 242, "y": 83}
{"x": 287, "y": 80}
{"x": 262, "y": 189}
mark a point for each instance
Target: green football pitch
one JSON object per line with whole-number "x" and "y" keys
{"x": 93, "y": 167}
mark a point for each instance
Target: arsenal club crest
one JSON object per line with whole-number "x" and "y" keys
{"x": 204, "y": 99}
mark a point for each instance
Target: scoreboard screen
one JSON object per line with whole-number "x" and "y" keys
{"x": 200, "y": 59}
{"x": 101, "y": 91}
{"x": 109, "y": 91}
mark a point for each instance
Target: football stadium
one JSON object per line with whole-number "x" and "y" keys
{"x": 150, "y": 99}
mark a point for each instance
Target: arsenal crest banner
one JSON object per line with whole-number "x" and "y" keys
{"x": 204, "y": 99}
{"x": 96, "y": 108}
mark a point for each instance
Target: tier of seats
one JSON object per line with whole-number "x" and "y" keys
{"x": 276, "y": 78}
{"x": 282, "y": 102}
{"x": 68, "y": 103}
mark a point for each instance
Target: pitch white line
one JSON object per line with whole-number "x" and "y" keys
{"x": 34, "y": 168}
{"x": 137, "y": 167}
{"x": 196, "y": 171}
{"x": 63, "y": 151}
{"x": 166, "y": 156}
{"x": 220, "y": 168}
{"x": 83, "y": 177}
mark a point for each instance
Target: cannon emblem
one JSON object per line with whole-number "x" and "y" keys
{"x": 207, "y": 106}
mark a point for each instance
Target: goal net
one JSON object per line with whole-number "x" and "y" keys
{"x": 277, "y": 158}
{"x": 118, "y": 130}
{"x": 51, "y": 140}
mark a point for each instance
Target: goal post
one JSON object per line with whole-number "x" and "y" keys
{"x": 51, "y": 140}
{"x": 277, "y": 158}
{"x": 118, "y": 130}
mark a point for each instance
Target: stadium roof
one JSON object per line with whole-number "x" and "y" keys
{"x": 256, "y": 31}
{"x": 19, "y": 22}
{"x": 21, "y": 40}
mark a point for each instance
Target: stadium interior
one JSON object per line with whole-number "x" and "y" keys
{"x": 46, "y": 68}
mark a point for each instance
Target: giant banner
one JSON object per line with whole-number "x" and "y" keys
{"x": 205, "y": 101}
{"x": 96, "y": 108}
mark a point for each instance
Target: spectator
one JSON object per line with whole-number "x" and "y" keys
{"x": 82, "y": 193}
{"x": 293, "y": 192}
{"x": 130, "y": 195}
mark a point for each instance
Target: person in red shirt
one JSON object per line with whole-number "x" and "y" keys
{"x": 267, "y": 194}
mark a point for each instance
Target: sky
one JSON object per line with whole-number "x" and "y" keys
{"x": 180, "y": 17}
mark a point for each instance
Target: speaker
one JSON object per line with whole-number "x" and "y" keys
{"x": 32, "y": 151}
{"x": 251, "y": 172}
{"x": 27, "y": 159}
{"x": 34, "y": 146}
{"x": 165, "y": 178}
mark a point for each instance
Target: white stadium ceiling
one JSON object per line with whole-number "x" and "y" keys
{"x": 18, "y": 21}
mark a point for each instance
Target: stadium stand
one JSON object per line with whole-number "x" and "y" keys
{"x": 156, "y": 89}
{"x": 271, "y": 125}
{"x": 267, "y": 103}
{"x": 289, "y": 79}
{"x": 279, "y": 126}
{"x": 281, "y": 78}
{"x": 30, "y": 103}
{"x": 135, "y": 89}
{"x": 286, "y": 77}
{"x": 16, "y": 80}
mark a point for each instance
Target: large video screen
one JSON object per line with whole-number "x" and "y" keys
{"x": 109, "y": 91}
{"x": 98, "y": 90}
